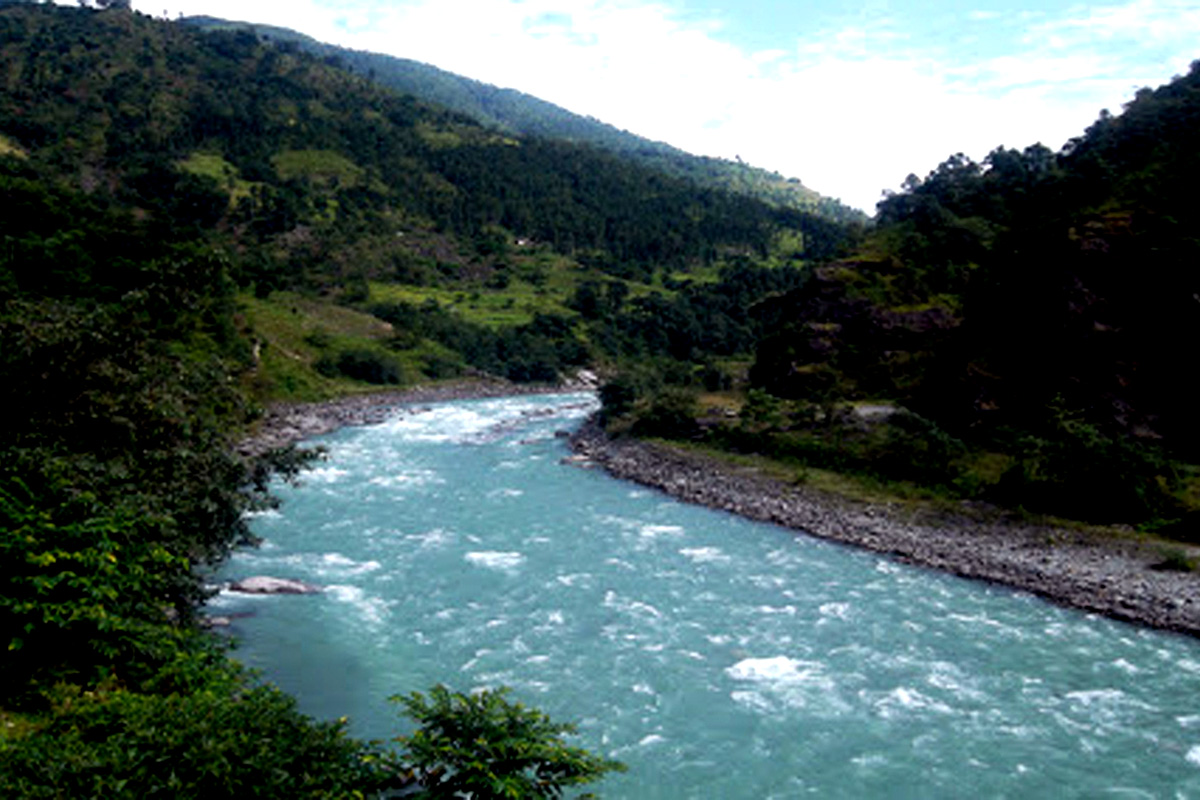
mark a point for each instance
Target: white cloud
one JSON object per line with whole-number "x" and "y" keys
{"x": 850, "y": 111}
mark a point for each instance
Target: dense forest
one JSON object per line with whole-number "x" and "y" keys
{"x": 1026, "y": 318}
{"x": 518, "y": 113}
{"x": 198, "y": 222}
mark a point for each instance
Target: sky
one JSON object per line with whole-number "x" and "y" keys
{"x": 849, "y": 96}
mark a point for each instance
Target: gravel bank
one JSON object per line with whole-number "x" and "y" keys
{"x": 1107, "y": 575}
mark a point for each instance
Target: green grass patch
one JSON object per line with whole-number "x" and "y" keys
{"x": 226, "y": 175}
{"x": 494, "y": 308}
{"x": 10, "y": 148}
{"x": 851, "y": 487}
{"x": 294, "y": 333}
{"x": 319, "y": 166}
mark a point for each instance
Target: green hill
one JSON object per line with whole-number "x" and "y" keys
{"x": 1036, "y": 310}
{"x": 519, "y": 113}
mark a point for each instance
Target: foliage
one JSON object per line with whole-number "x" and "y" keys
{"x": 540, "y": 350}
{"x": 483, "y": 745}
{"x": 517, "y": 113}
{"x": 361, "y": 364}
{"x": 670, "y": 413}
{"x": 1072, "y": 468}
{"x": 82, "y": 599}
{"x": 992, "y": 295}
{"x": 209, "y": 744}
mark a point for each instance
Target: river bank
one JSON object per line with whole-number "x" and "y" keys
{"x": 1103, "y": 573}
{"x": 1116, "y": 576}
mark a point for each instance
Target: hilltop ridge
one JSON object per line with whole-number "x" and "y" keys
{"x": 517, "y": 112}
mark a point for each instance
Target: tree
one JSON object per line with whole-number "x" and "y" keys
{"x": 484, "y": 746}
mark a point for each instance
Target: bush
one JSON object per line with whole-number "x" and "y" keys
{"x": 671, "y": 415}
{"x": 484, "y": 746}
{"x": 1073, "y": 469}
{"x": 81, "y": 599}
{"x": 360, "y": 364}
{"x": 210, "y": 744}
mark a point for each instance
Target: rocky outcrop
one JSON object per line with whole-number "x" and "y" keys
{"x": 265, "y": 584}
{"x": 1106, "y": 573}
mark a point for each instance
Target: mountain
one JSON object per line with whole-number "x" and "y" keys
{"x": 519, "y": 113}
{"x": 1038, "y": 305}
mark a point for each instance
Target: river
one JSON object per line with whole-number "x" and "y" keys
{"x": 718, "y": 658}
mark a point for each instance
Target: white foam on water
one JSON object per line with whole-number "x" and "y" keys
{"x": 905, "y": 699}
{"x": 705, "y": 555}
{"x": 491, "y": 559}
{"x": 336, "y": 564}
{"x": 446, "y": 423}
{"x": 263, "y": 513}
{"x": 774, "y": 669}
{"x": 324, "y": 475}
{"x": 373, "y": 610}
{"x": 787, "y": 682}
{"x": 656, "y": 531}
{"x": 1097, "y": 697}
{"x": 950, "y": 678}
{"x": 435, "y": 538}
{"x": 408, "y": 479}
{"x": 1193, "y": 755}
{"x": 789, "y": 611}
{"x": 753, "y": 700}
{"x": 835, "y": 610}
{"x": 635, "y": 607}
{"x": 653, "y": 738}
{"x": 506, "y": 493}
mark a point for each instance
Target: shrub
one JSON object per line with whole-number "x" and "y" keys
{"x": 482, "y": 745}
{"x": 360, "y": 364}
{"x": 210, "y": 744}
{"x": 672, "y": 415}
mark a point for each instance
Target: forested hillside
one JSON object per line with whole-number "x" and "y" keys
{"x": 1034, "y": 316}
{"x": 518, "y": 113}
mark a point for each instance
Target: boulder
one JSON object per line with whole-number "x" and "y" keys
{"x": 264, "y": 584}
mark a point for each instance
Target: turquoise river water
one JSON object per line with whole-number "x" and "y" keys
{"x": 718, "y": 658}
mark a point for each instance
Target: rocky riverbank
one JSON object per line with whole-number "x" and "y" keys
{"x": 1105, "y": 573}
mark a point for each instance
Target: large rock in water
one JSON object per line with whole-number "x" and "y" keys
{"x": 264, "y": 584}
